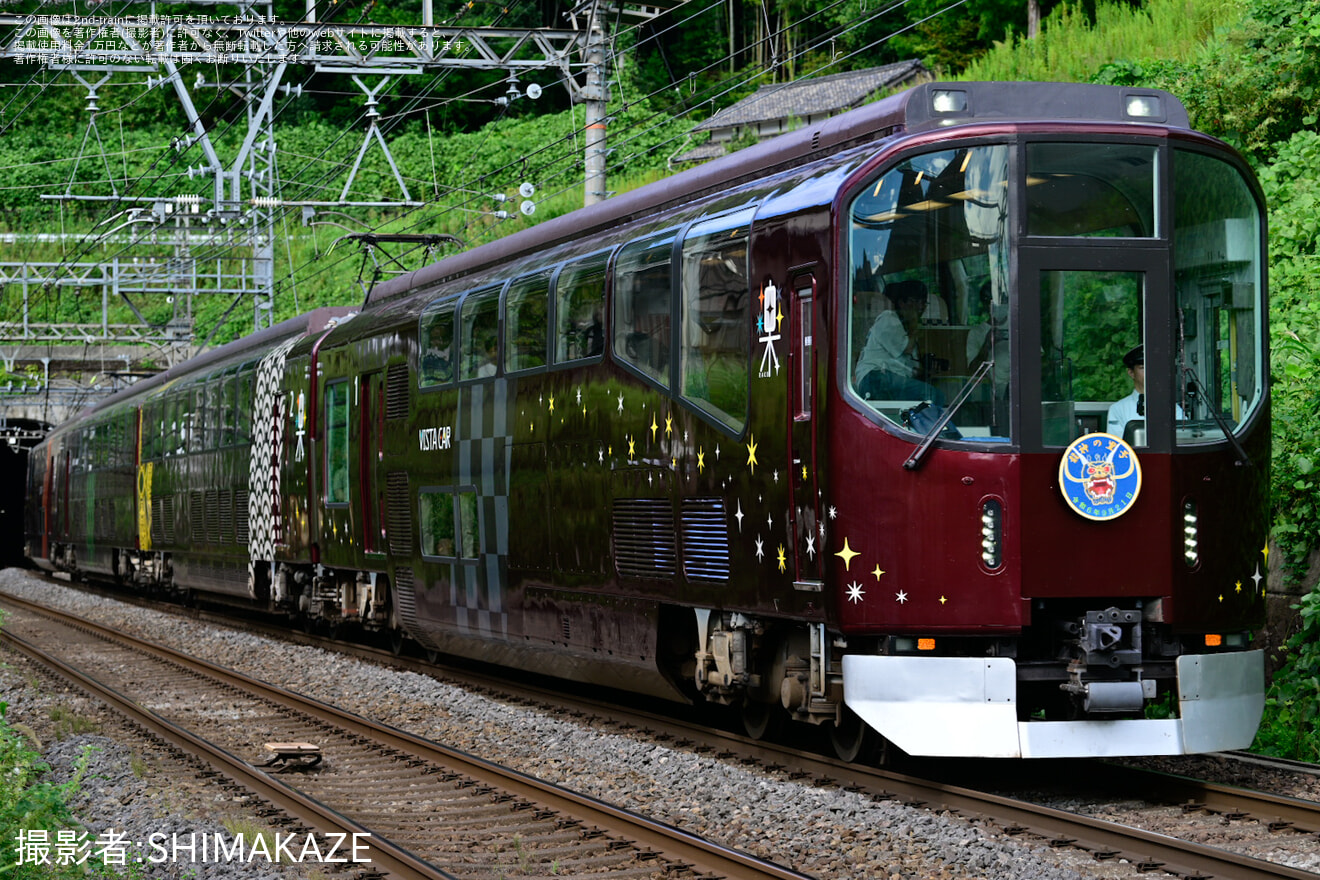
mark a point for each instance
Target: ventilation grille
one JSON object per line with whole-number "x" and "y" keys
{"x": 213, "y": 516}
{"x": 705, "y": 539}
{"x": 162, "y": 519}
{"x": 405, "y": 596}
{"x": 396, "y": 391}
{"x": 399, "y": 525}
{"x": 644, "y": 538}
{"x": 226, "y": 517}
{"x": 242, "y": 531}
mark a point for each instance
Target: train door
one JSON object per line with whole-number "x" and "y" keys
{"x": 371, "y": 455}
{"x": 805, "y": 506}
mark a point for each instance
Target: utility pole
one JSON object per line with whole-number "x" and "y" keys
{"x": 595, "y": 97}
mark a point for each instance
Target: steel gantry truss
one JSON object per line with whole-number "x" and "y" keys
{"x": 238, "y": 209}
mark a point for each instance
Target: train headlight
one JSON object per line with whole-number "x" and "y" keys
{"x": 1143, "y": 107}
{"x": 992, "y": 533}
{"x": 948, "y": 101}
{"x": 1191, "y": 534}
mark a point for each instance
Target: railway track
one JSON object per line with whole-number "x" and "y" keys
{"x": 1278, "y": 818}
{"x": 417, "y": 808}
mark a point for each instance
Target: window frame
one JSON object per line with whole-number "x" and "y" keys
{"x": 327, "y": 498}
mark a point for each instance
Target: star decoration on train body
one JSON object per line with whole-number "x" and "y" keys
{"x": 901, "y": 597}
{"x": 739, "y": 515}
{"x": 783, "y": 563}
{"x": 701, "y": 461}
{"x": 621, "y": 404}
{"x": 811, "y": 546}
{"x": 855, "y": 592}
{"x": 760, "y": 549}
{"x": 751, "y": 453}
{"x": 847, "y": 553}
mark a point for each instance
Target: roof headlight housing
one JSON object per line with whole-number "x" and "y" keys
{"x": 948, "y": 101}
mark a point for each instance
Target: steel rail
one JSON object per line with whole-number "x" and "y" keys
{"x": 385, "y": 855}
{"x": 1278, "y": 811}
{"x": 1057, "y": 826}
{"x": 703, "y": 855}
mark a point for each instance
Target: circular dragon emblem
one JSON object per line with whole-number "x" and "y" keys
{"x": 1099, "y": 476}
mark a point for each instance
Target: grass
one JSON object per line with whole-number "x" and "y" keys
{"x": 1069, "y": 48}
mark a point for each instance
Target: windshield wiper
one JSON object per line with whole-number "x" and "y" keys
{"x": 914, "y": 460}
{"x": 1243, "y": 458}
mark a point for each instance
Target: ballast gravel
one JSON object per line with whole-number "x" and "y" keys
{"x": 824, "y": 832}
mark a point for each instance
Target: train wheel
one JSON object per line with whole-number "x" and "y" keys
{"x": 761, "y": 720}
{"x": 855, "y": 741}
{"x": 396, "y": 642}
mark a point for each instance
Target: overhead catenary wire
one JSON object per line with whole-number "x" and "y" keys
{"x": 297, "y": 182}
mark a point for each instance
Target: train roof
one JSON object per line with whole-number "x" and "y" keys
{"x": 922, "y": 108}
{"x": 254, "y": 343}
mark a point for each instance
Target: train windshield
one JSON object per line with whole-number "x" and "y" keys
{"x": 1134, "y": 301}
{"x": 930, "y": 291}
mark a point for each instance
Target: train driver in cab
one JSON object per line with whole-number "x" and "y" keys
{"x": 889, "y": 366}
{"x": 1133, "y": 407}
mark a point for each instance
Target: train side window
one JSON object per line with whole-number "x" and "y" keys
{"x": 436, "y": 522}
{"x": 436, "y": 342}
{"x": 243, "y": 403}
{"x": 336, "y": 442}
{"x": 229, "y": 409}
{"x": 212, "y": 415}
{"x": 467, "y": 525}
{"x": 716, "y": 322}
{"x": 1092, "y": 190}
{"x": 173, "y": 430}
{"x": 480, "y": 338}
{"x": 643, "y": 289}
{"x": 525, "y": 322}
{"x": 580, "y": 309}
{"x": 152, "y": 433}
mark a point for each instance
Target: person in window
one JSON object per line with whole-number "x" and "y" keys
{"x": 486, "y": 361}
{"x": 1133, "y": 407}
{"x": 593, "y": 335}
{"x": 889, "y": 366}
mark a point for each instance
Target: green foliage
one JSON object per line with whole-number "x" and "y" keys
{"x": 1254, "y": 85}
{"x": 1292, "y": 184}
{"x": 26, "y": 803}
{"x": 1292, "y": 706}
{"x": 1073, "y": 46}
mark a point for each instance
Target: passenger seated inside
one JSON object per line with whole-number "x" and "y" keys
{"x": 889, "y": 366}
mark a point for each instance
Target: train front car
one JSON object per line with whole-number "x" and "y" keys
{"x": 1050, "y": 441}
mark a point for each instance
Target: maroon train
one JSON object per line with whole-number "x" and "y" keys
{"x": 945, "y": 420}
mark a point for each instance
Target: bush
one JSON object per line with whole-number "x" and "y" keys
{"x": 26, "y": 804}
